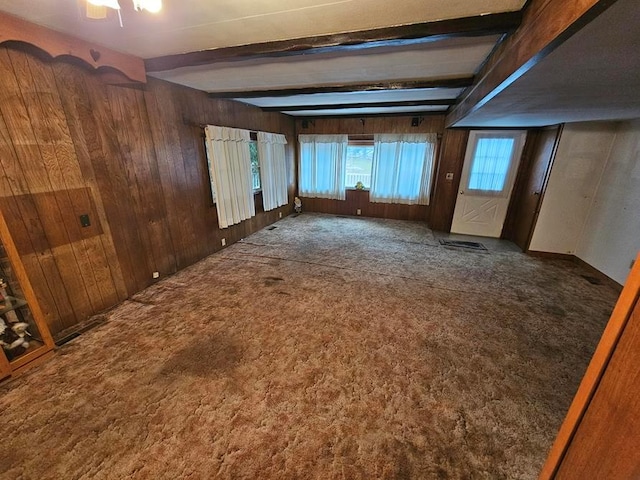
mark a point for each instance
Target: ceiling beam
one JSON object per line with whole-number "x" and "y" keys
{"x": 546, "y": 24}
{"x": 459, "y": 82}
{"x": 490, "y": 24}
{"x": 343, "y": 106}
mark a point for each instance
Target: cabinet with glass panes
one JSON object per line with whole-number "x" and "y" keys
{"x": 24, "y": 336}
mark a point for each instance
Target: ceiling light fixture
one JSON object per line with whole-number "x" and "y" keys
{"x": 97, "y": 9}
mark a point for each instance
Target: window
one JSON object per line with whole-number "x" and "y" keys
{"x": 491, "y": 163}
{"x": 402, "y": 168}
{"x": 322, "y": 166}
{"x": 255, "y": 165}
{"x": 359, "y": 160}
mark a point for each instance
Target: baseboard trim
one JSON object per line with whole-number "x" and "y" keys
{"x": 603, "y": 277}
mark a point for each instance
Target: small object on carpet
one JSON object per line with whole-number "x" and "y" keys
{"x": 592, "y": 280}
{"x": 463, "y": 244}
{"x": 273, "y": 227}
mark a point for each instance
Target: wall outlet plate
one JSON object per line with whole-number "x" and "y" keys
{"x": 449, "y": 176}
{"x": 358, "y": 212}
{"x": 279, "y": 214}
{"x": 224, "y": 242}
{"x": 156, "y": 274}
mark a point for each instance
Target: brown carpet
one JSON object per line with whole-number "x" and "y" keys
{"x": 326, "y": 348}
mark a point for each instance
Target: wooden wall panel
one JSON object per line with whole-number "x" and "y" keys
{"x": 133, "y": 159}
{"x": 359, "y": 199}
{"x": 450, "y": 160}
{"x": 371, "y": 125}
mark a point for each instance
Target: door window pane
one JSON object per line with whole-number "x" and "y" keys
{"x": 491, "y": 162}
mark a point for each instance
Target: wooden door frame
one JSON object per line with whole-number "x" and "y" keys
{"x": 598, "y": 365}
{"x": 524, "y": 171}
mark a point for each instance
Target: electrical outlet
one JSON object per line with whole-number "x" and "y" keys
{"x": 279, "y": 214}
{"x": 358, "y": 212}
{"x": 156, "y": 274}
{"x": 224, "y": 242}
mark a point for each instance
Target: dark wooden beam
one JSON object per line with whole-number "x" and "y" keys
{"x": 343, "y": 106}
{"x": 546, "y": 24}
{"x": 369, "y": 115}
{"x": 459, "y": 82}
{"x": 490, "y": 24}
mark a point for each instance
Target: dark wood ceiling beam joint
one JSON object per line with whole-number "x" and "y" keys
{"x": 458, "y": 82}
{"x": 481, "y": 25}
{"x": 343, "y": 106}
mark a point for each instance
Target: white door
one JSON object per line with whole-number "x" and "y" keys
{"x": 488, "y": 174}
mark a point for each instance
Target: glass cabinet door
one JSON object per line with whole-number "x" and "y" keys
{"x": 24, "y": 335}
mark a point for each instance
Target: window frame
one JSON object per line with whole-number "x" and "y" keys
{"x": 474, "y": 136}
{"x": 359, "y": 141}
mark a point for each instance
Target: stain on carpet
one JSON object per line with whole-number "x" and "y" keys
{"x": 375, "y": 358}
{"x": 213, "y": 356}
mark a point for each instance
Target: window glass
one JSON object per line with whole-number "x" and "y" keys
{"x": 358, "y": 166}
{"x": 491, "y": 163}
{"x": 255, "y": 165}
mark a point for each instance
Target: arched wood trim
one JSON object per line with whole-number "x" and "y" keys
{"x": 56, "y": 44}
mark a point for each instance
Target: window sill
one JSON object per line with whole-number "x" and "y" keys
{"x": 353, "y": 189}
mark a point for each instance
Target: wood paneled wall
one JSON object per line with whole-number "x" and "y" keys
{"x": 360, "y": 199}
{"x": 445, "y": 192}
{"x": 132, "y": 159}
{"x": 371, "y": 125}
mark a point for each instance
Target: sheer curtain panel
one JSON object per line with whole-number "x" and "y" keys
{"x": 273, "y": 169}
{"x": 230, "y": 172}
{"x": 402, "y": 168}
{"x": 322, "y": 166}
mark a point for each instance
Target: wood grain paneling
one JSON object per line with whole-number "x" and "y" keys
{"x": 133, "y": 159}
{"x": 449, "y": 158}
{"x": 56, "y": 44}
{"x": 359, "y": 199}
{"x": 530, "y": 184}
{"x": 445, "y": 193}
{"x": 546, "y": 24}
{"x": 370, "y": 125}
{"x": 599, "y": 436}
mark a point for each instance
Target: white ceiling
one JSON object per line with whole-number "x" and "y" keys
{"x": 191, "y": 25}
{"x": 451, "y": 58}
{"x": 592, "y": 76}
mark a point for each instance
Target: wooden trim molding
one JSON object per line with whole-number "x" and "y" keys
{"x": 56, "y": 45}
{"x": 400, "y": 35}
{"x": 604, "y": 351}
{"x": 546, "y": 24}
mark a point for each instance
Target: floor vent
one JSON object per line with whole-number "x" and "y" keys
{"x": 272, "y": 227}
{"x": 463, "y": 244}
{"x": 98, "y": 320}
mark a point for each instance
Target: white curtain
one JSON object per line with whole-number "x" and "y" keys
{"x": 402, "y": 168}
{"x": 322, "y": 166}
{"x": 273, "y": 169}
{"x": 230, "y": 172}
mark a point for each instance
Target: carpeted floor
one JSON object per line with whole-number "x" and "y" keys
{"x": 325, "y": 348}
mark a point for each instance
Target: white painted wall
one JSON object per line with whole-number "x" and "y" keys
{"x": 611, "y": 236}
{"x": 591, "y": 208}
{"x": 580, "y": 159}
